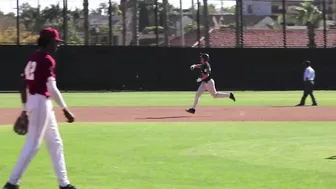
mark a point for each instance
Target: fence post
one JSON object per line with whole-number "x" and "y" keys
{"x": 193, "y": 12}
{"x": 181, "y": 25}
{"x": 237, "y": 13}
{"x": 65, "y": 21}
{"x": 324, "y": 12}
{"x": 284, "y": 23}
{"x": 18, "y": 22}
{"x": 199, "y": 23}
{"x": 206, "y": 23}
{"x": 110, "y": 24}
{"x": 135, "y": 21}
{"x": 156, "y": 22}
{"x": 86, "y": 21}
{"x": 124, "y": 10}
{"x": 241, "y": 23}
{"x": 166, "y": 27}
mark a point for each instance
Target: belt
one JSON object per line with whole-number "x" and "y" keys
{"x": 206, "y": 80}
{"x": 309, "y": 81}
{"x": 40, "y": 94}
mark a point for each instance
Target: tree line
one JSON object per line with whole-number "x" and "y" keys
{"x": 33, "y": 19}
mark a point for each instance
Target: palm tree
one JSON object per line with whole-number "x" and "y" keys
{"x": 304, "y": 13}
{"x": 115, "y": 9}
{"x": 53, "y": 14}
{"x": 103, "y": 8}
{"x": 76, "y": 15}
{"x": 31, "y": 17}
{"x": 165, "y": 20}
{"x": 135, "y": 21}
{"x": 86, "y": 21}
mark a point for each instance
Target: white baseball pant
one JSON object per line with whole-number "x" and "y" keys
{"x": 42, "y": 125}
{"x": 210, "y": 87}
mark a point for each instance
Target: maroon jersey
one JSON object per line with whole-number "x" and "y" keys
{"x": 39, "y": 68}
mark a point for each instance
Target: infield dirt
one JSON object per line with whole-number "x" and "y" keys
{"x": 178, "y": 114}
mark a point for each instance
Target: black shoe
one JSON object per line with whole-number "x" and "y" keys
{"x": 315, "y": 104}
{"x": 69, "y": 186}
{"x": 191, "y": 110}
{"x": 300, "y": 105}
{"x": 232, "y": 97}
{"x": 10, "y": 186}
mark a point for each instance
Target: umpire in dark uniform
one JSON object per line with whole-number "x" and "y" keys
{"x": 308, "y": 80}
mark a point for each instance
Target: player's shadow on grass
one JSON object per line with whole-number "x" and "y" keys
{"x": 331, "y": 158}
{"x": 166, "y": 117}
{"x": 286, "y": 106}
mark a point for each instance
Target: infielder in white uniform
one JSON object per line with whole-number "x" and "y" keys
{"x": 38, "y": 89}
{"x": 207, "y": 83}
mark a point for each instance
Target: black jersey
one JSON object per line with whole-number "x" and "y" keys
{"x": 206, "y": 69}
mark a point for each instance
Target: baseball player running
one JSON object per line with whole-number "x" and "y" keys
{"x": 39, "y": 88}
{"x": 207, "y": 83}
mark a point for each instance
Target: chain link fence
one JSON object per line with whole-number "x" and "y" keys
{"x": 200, "y": 23}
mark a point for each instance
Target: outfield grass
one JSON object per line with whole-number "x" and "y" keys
{"x": 218, "y": 155}
{"x": 286, "y": 98}
{"x": 186, "y": 156}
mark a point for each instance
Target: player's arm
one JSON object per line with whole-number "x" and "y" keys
{"x": 58, "y": 98}
{"x": 198, "y": 65}
{"x": 51, "y": 84}
{"x": 23, "y": 92}
{"x": 195, "y": 66}
{"x": 55, "y": 93}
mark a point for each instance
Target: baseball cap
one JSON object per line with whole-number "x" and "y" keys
{"x": 50, "y": 33}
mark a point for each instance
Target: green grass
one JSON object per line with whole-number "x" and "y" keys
{"x": 228, "y": 155}
{"x": 286, "y": 98}
{"x": 186, "y": 156}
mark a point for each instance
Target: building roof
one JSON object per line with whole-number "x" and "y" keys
{"x": 190, "y": 39}
{"x": 223, "y": 19}
{"x": 261, "y": 38}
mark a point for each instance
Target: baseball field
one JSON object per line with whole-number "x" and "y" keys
{"x": 145, "y": 140}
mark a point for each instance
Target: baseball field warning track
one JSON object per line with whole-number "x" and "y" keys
{"x": 177, "y": 114}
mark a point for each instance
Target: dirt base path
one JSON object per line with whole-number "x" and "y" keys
{"x": 177, "y": 114}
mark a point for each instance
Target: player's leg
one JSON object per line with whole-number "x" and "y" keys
{"x": 54, "y": 146}
{"x": 306, "y": 92}
{"x": 314, "y": 103}
{"x": 311, "y": 93}
{"x": 303, "y": 99}
{"x": 38, "y": 111}
{"x": 210, "y": 86}
{"x": 199, "y": 92}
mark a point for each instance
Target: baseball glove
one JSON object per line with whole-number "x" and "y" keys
{"x": 70, "y": 117}
{"x": 21, "y": 124}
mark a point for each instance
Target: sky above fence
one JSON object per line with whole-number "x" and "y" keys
{"x": 10, "y": 5}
